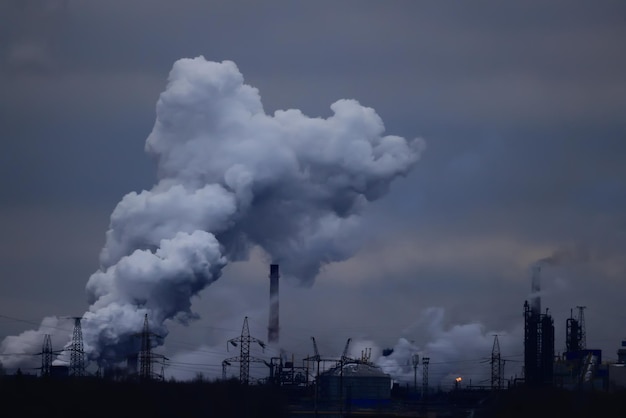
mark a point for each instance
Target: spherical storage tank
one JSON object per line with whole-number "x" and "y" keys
{"x": 360, "y": 384}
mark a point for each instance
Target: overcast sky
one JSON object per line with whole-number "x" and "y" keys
{"x": 520, "y": 105}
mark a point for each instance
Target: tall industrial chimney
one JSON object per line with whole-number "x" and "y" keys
{"x": 272, "y": 329}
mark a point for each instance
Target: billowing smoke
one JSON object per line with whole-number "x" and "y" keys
{"x": 462, "y": 350}
{"x": 567, "y": 254}
{"x": 231, "y": 177}
{"x": 563, "y": 255}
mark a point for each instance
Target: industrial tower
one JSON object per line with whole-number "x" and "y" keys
{"x": 425, "y": 362}
{"x": 244, "y": 357}
{"x": 573, "y": 335}
{"x": 146, "y": 357}
{"x": 496, "y": 363}
{"x": 538, "y": 347}
{"x": 46, "y": 356}
{"x": 273, "y": 328}
{"x": 77, "y": 353}
{"x": 581, "y": 322}
{"x": 538, "y": 337}
{"x": 415, "y": 358}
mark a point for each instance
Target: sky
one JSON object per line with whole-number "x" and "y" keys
{"x": 502, "y": 132}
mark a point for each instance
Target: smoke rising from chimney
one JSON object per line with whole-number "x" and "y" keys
{"x": 231, "y": 177}
{"x": 561, "y": 256}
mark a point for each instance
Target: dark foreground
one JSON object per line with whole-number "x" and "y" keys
{"x": 92, "y": 398}
{"x": 95, "y": 398}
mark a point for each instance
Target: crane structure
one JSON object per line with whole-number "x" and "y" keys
{"x": 344, "y": 355}
{"x": 244, "y": 357}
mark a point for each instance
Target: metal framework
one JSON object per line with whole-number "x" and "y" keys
{"x": 344, "y": 355}
{"x": 573, "y": 335}
{"x": 538, "y": 347}
{"x": 415, "y": 358}
{"x": 496, "y": 363}
{"x": 581, "y": 323}
{"x": 77, "y": 352}
{"x": 425, "y": 362}
{"x": 244, "y": 357}
{"x": 46, "y": 356}
{"x": 146, "y": 357}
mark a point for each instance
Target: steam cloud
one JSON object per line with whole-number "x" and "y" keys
{"x": 461, "y": 350}
{"x": 231, "y": 177}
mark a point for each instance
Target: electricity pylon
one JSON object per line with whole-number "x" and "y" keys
{"x": 244, "y": 357}
{"x": 146, "y": 356}
{"x": 46, "y": 356}
{"x": 496, "y": 362}
{"x": 77, "y": 352}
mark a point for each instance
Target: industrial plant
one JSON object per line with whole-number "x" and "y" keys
{"x": 341, "y": 385}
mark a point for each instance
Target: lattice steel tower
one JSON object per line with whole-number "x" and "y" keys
{"x": 77, "y": 352}
{"x": 46, "y": 356}
{"x": 244, "y": 358}
{"x": 145, "y": 356}
{"x": 496, "y": 362}
{"x": 425, "y": 361}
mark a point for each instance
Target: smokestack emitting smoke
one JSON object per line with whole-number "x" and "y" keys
{"x": 563, "y": 255}
{"x": 272, "y": 329}
{"x": 231, "y": 177}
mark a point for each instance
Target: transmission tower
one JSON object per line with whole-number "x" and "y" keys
{"x": 146, "y": 357}
{"x": 225, "y": 363}
{"x": 425, "y": 361}
{"x": 415, "y": 358}
{"x": 77, "y": 353}
{"x": 46, "y": 356}
{"x": 496, "y": 362}
{"x": 581, "y": 324}
{"x": 244, "y": 358}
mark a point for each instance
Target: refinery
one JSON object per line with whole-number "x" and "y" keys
{"x": 232, "y": 180}
{"x": 341, "y": 385}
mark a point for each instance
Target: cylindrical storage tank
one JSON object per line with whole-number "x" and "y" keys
{"x": 358, "y": 384}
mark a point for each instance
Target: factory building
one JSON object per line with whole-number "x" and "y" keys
{"x": 538, "y": 347}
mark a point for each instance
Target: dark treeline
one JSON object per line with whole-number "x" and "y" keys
{"x": 95, "y": 398}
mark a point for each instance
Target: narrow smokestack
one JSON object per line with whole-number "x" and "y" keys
{"x": 272, "y": 329}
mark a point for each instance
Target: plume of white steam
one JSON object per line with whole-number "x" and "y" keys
{"x": 564, "y": 255}
{"x": 461, "y": 350}
{"x": 231, "y": 177}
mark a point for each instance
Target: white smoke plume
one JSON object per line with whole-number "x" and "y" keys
{"x": 231, "y": 177}
{"x": 462, "y": 350}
